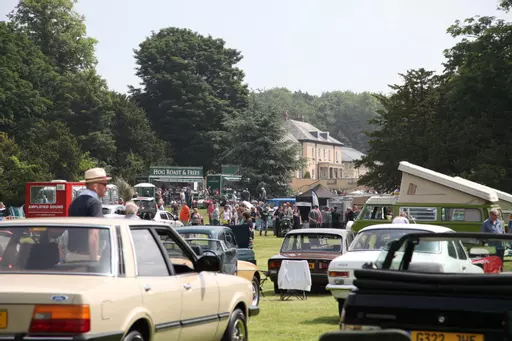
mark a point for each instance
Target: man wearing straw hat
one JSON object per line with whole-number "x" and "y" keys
{"x": 87, "y": 203}
{"x": 73, "y": 244}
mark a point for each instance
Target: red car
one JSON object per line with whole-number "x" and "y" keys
{"x": 489, "y": 263}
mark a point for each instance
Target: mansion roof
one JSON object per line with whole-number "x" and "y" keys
{"x": 303, "y": 131}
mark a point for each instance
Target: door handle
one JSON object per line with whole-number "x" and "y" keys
{"x": 147, "y": 287}
{"x": 463, "y": 268}
{"x": 187, "y": 286}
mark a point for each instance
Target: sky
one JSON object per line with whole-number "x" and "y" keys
{"x": 312, "y": 46}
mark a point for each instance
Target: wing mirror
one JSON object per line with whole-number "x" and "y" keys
{"x": 208, "y": 263}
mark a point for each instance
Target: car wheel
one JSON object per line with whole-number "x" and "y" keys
{"x": 341, "y": 303}
{"x": 255, "y": 291}
{"x": 134, "y": 335}
{"x": 237, "y": 327}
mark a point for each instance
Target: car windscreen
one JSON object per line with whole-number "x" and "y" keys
{"x": 312, "y": 242}
{"x": 193, "y": 235}
{"x": 56, "y": 249}
{"x": 376, "y": 239}
{"x": 205, "y": 244}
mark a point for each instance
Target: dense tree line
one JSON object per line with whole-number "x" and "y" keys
{"x": 455, "y": 122}
{"x": 344, "y": 114}
{"x": 58, "y": 117}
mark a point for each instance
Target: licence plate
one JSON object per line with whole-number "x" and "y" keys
{"x": 311, "y": 265}
{"x": 439, "y": 336}
{"x": 3, "y": 319}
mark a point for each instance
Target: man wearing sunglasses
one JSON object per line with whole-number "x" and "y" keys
{"x": 81, "y": 243}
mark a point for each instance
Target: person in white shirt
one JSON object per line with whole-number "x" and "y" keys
{"x": 401, "y": 219}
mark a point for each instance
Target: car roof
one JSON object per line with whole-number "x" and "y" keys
{"x": 424, "y": 227}
{"x": 93, "y": 221}
{"x": 202, "y": 229}
{"x": 112, "y": 205}
{"x": 339, "y": 232}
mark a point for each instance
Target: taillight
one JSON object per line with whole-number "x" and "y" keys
{"x": 323, "y": 265}
{"x": 274, "y": 264}
{"x": 338, "y": 273}
{"x": 60, "y": 319}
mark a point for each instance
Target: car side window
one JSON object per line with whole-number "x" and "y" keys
{"x": 460, "y": 251}
{"x": 451, "y": 250}
{"x": 230, "y": 240}
{"x": 150, "y": 261}
{"x": 178, "y": 257}
{"x": 163, "y": 215}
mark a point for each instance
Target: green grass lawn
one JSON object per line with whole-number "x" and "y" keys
{"x": 292, "y": 319}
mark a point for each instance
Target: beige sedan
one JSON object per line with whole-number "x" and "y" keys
{"x": 99, "y": 278}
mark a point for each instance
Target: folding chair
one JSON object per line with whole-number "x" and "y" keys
{"x": 294, "y": 279}
{"x": 266, "y": 276}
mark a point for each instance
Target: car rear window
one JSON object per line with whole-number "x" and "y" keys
{"x": 30, "y": 249}
{"x": 312, "y": 242}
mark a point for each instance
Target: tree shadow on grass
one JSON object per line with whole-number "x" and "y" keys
{"x": 333, "y": 320}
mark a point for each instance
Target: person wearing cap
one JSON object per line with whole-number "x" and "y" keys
{"x": 72, "y": 244}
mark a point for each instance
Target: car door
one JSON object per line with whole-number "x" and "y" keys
{"x": 157, "y": 286}
{"x": 465, "y": 263}
{"x": 200, "y": 291}
{"x": 451, "y": 261}
{"x": 231, "y": 255}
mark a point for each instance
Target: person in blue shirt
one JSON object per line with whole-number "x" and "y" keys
{"x": 494, "y": 225}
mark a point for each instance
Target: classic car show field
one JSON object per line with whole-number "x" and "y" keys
{"x": 292, "y": 319}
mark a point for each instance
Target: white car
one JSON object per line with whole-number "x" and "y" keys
{"x": 167, "y": 218}
{"x": 113, "y": 211}
{"x": 366, "y": 247}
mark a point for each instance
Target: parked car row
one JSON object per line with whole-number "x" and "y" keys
{"x": 334, "y": 255}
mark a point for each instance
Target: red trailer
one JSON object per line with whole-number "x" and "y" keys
{"x": 50, "y": 198}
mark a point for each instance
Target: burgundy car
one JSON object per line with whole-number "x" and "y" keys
{"x": 316, "y": 245}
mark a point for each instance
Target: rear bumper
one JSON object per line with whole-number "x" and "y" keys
{"x": 340, "y": 291}
{"x": 86, "y": 337}
{"x": 254, "y": 310}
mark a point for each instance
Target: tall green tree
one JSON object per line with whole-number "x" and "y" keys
{"x": 58, "y": 30}
{"x": 189, "y": 85}
{"x": 25, "y": 79}
{"x": 15, "y": 172}
{"x": 137, "y": 145}
{"x": 478, "y": 90}
{"x": 403, "y": 130}
{"x": 258, "y": 144}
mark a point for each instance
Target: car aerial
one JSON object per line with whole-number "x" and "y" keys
{"x": 61, "y": 280}
{"x": 229, "y": 261}
{"x": 235, "y": 237}
{"x": 167, "y": 218}
{"x": 113, "y": 211}
{"x": 433, "y": 300}
{"x": 366, "y": 247}
{"x": 316, "y": 245}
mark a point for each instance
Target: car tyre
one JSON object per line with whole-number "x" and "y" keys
{"x": 341, "y": 303}
{"x": 237, "y": 327}
{"x": 255, "y": 291}
{"x": 134, "y": 335}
